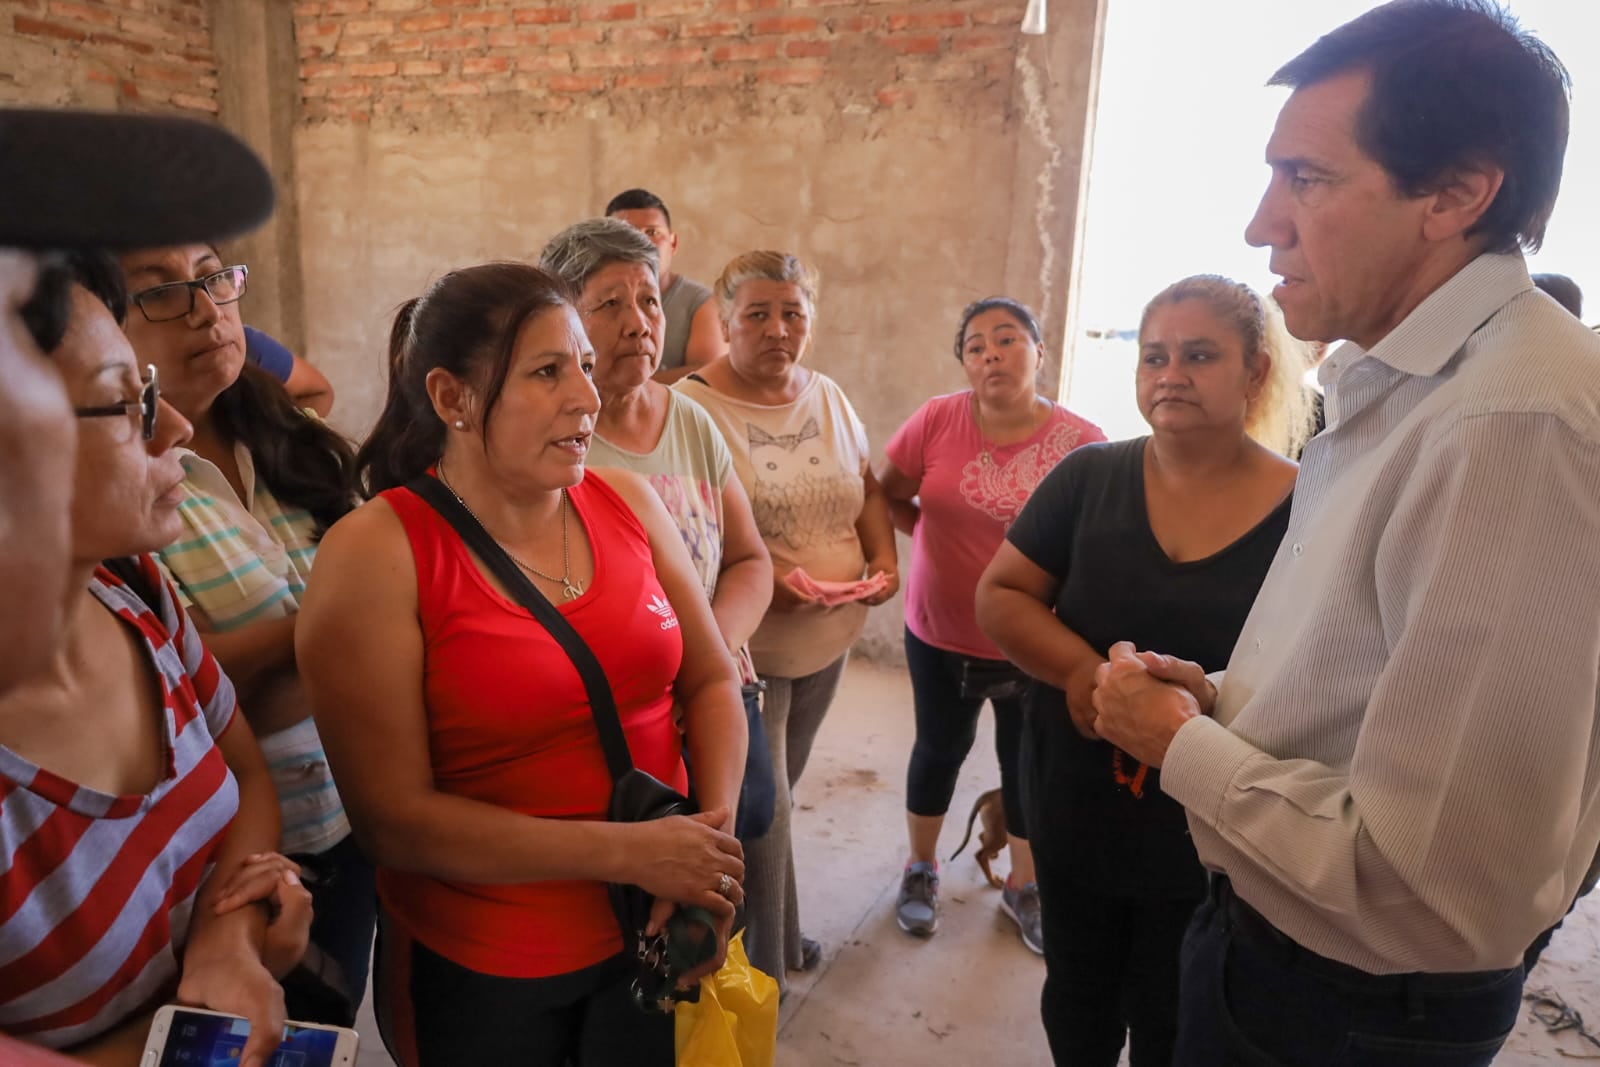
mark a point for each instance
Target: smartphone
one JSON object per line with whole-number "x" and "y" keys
{"x": 195, "y": 1037}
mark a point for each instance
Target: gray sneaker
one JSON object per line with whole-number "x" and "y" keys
{"x": 1022, "y": 904}
{"x": 917, "y": 909}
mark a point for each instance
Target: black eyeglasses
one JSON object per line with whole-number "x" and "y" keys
{"x": 175, "y": 300}
{"x": 149, "y": 400}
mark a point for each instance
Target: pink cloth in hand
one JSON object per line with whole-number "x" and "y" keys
{"x": 832, "y": 594}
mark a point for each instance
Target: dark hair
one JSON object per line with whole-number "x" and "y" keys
{"x": 465, "y": 323}
{"x": 1454, "y": 83}
{"x": 1563, "y": 290}
{"x": 48, "y": 310}
{"x": 301, "y": 459}
{"x": 638, "y": 200}
{"x": 99, "y": 272}
{"x": 1015, "y": 308}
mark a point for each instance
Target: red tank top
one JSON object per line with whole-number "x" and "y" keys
{"x": 509, "y": 724}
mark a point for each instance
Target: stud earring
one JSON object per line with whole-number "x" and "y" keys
{"x": 460, "y": 424}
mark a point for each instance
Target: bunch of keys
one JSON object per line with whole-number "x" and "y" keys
{"x": 690, "y": 939}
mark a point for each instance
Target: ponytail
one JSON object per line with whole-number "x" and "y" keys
{"x": 408, "y": 435}
{"x": 1284, "y": 415}
{"x": 466, "y": 323}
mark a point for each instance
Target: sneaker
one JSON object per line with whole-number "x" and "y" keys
{"x": 810, "y": 953}
{"x": 917, "y": 908}
{"x": 1022, "y": 904}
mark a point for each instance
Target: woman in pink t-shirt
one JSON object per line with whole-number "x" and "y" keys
{"x": 957, "y": 474}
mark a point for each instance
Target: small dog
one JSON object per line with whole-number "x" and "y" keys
{"x": 992, "y": 838}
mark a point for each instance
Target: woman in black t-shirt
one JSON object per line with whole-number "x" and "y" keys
{"x": 1162, "y": 541}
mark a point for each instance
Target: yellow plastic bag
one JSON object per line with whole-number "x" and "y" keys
{"x": 735, "y": 1023}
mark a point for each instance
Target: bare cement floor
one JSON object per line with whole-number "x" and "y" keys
{"x": 969, "y": 996}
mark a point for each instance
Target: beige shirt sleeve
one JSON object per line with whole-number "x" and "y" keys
{"x": 1456, "y": 831}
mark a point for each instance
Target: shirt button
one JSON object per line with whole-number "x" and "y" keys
{"x": 1298, "y": 548}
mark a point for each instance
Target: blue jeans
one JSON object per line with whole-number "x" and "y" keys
{"x": 758, "y": 791}
{"x": 1253, "y": 998}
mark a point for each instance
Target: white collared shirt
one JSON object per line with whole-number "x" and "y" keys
{"x": 1403, "y": 769}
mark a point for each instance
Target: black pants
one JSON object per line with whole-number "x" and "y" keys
{"x": 1530, "y": 958}
{"x": 1254, "y": 998}
{"x": 1111, "y": 972}
{"x": 435, "y": 1013}
{"x": 947, "y": 726}
{"x": 344, "y": 908}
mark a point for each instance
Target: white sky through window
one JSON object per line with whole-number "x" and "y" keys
{"x": 1177, "y": 170}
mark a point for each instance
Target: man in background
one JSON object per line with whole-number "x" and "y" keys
{"x": 1563, "y": 290}
{"x": 694, "y": 324}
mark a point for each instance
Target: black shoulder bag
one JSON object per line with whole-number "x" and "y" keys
{"x": 991, "y": 679}
{"x": 636, "y": 795}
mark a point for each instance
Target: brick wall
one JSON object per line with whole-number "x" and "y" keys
{"x": 134, "y": 54}
{"x": 418, "y": 61}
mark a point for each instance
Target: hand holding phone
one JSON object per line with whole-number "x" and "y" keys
{"x": 195, "y": 1037}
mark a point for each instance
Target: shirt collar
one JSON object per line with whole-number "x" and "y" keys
{"x": 1438, "y": 327}
{"x": 205, "y": 474}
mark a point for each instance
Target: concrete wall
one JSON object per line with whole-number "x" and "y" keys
{"x": 168, "y": 55}
{"x": 920, "y": 154}
{"x": 259, "y": 100}
{"x": 132, "y": 54}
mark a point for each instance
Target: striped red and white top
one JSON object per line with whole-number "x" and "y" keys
{"x": 96, "y": 890}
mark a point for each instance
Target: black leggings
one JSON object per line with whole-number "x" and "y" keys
{"x": 946, "y": 727}
{"x": 1111, "y": 974}
{"x": 435, "y": 1013}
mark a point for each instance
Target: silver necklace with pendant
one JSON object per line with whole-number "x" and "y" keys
{"x": 570, "y": 589}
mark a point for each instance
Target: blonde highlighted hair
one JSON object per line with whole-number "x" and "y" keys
{"x": 1283, "y": 415}
{"x": 764, "y": 266}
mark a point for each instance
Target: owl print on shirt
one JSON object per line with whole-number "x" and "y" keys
{"x": 802, "y": 494}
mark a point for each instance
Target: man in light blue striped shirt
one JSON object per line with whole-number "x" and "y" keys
{"x": 1396, "y": 786}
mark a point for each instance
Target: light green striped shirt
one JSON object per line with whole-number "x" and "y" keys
{"x": 236, "y": 564}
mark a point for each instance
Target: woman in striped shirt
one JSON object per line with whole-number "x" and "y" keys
{"x": 262, "y": 480}
{"x": 135, "y": 807}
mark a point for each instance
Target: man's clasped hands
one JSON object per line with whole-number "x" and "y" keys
{"x": 1139, "y": 701}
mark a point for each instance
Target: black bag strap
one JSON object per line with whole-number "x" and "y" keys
{"x": 602, "y": 703}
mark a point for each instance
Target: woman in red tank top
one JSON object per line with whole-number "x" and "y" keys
{"x": 460, "y": 732}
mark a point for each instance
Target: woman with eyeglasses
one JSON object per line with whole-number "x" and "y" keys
{"x": 262, "y": 480}
{"x": 138, "y": 813}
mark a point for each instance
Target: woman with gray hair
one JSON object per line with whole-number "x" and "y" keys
{"x": 646, "y": 428}
{"x": 802, "y": 454}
